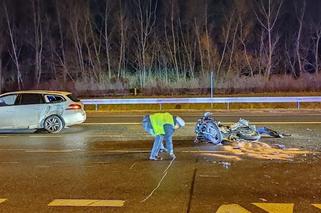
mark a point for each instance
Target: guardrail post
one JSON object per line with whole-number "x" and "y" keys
{"x": 228, "y": 105}
{"x": 96, "y": 107}
{"x": 160, "y": 106}
{"x": 298, "y": 105}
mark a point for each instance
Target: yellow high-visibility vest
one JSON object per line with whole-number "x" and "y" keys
{"x": 158, "y": 120}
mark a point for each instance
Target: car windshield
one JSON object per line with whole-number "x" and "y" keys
{"x": 73, "y": 98}
{"x": 8, "y": 100}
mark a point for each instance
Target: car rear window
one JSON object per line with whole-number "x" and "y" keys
{"x": 54, "y": 98}
{"x": 73, "y": 98}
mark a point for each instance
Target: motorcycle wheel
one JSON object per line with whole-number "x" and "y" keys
{"x": 213, "y": 134}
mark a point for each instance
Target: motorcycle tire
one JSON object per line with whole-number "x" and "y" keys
{"x": 213, "y": 133}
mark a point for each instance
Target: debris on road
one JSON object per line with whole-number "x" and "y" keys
{"x": 226, "y": 165}
{"x": 257, "y": 150}
{"x": 279, "y": 146}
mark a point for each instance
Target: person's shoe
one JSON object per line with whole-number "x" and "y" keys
{"x": 156, "y": 158}
{"x": 172, "y": 156}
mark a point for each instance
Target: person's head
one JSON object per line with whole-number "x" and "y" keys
{"x": 179, "y": 122}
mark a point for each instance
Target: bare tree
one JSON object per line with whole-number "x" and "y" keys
{"x": 92, "y": 56}
{"x": 122, "y": 46}
{"x": 290, "y": 60}
{"x": 146, "y": 17}
{"x": 208, "y": 40}
{"x": 76, "y": 24}
{"x": 107, "y": 36}
{"x": 300, "y": 18}
{"x": 267, "y": 18}
{"x": 93, "y": 43}
{"x": 226, "y": 34}
{"x": 1, "y": 78}
{"x": 198, "y": 36}
{"x": 243, "y": 36}
{"x": 316, "y": 51}
{"x": 187, "y": 44}
{"x": 2, "y": 45}
{"x": 173, "y": 47}
{"x": 61, "y": 55}
{"x": 15, "y": 52}
{"x": 261, "y": 59}
{"x": 38, "y": 40}
{"x": 232, "y": 48}
{"x": 316, "y": 35}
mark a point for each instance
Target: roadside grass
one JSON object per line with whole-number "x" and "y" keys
{"x": 172, "y": 85}
{"x": 237, "y": 86}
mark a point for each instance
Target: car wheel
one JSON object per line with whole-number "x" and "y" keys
{"x": 53, "y": 124}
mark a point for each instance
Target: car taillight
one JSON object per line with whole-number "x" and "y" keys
{"x": 74, "y": 107}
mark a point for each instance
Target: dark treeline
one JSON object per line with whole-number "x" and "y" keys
{"x": 122, "y": 44}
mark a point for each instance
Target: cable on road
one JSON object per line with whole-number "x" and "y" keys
{"x": 132, "y": 166}
{"x": 160, "y": 182}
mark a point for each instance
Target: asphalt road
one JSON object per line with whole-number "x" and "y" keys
{"x": 102, "y": 166}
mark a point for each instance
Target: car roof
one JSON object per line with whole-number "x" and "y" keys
{"x": 38, "y": 92}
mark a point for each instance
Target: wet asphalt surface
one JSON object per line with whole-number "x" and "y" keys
{"x": 105, "y": 160}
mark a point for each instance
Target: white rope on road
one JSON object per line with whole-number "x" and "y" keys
{"x": 160, "y": 182}
{"x": 132, "y": 166}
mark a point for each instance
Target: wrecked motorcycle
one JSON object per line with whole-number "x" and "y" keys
{"x": 209, "y": 130}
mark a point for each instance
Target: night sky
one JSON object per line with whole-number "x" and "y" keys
{"x": 164, "y": 44}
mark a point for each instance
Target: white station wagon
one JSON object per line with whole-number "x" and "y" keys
{"x": 49, "y": 110}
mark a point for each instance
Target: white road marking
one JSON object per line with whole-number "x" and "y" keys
{"x": 103, "y": 136}
{"x": 276, "y": 207}
{"x": 45, "y": 136}
{"x": 287, "y": 122}
{"x": 224, "y": 123}
{"x": 232, "y": 208}
{"x": 110, "y": 124}
{"x": 104, "y": 151}
{"x": 226, "y": 114}
{"x": 42, "y": 166}
{"x": 84, "y": 202}
{"x": 102, "y": 162}
{"x": 209, "y": 176}
{"x": 317, "y": 206}
{"x": 2, "y": 200}
{"x": 189, "y": 123}
{"x": 12, "y": 149}
{"x": 126, "y": 151}
{"x": 9, "y": 162}
{"x": 199, "y": 151}
{"x": 52, "y": 151}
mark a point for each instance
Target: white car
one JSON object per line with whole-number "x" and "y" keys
{"x": 49, "y": 110}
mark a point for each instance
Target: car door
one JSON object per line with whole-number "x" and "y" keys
{"x": 7, "y": 111}
{"x": 28, "y": 109}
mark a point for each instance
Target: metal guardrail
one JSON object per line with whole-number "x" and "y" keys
{"x": 226, "y": 100}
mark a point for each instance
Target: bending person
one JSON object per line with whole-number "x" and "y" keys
{"x": 162, "y": 126}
